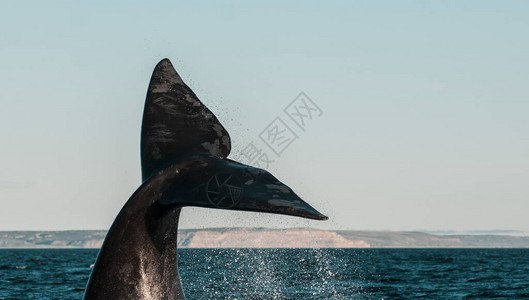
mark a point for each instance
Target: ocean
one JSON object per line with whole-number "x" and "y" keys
{"x": 291, "y": 273}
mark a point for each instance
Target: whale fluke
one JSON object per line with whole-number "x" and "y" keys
{"x": 184, "y": 151}
{"x": 175, "y": 123}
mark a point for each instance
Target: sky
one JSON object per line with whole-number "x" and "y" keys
{"x": 423, "y": 121}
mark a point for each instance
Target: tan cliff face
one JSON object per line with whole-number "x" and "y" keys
{"x": 268, "y": 238}
{"x": 272, "y": 238}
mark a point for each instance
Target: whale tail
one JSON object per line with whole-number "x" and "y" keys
{"x": 176, "y": 123}
{"x": 184, "y": 151}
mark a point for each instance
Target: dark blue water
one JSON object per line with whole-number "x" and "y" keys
{"x": 292, "y": 273}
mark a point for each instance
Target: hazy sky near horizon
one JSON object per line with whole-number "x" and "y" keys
{"x": 425, "y": 107}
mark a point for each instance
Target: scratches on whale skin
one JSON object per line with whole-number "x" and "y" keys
{"x": 160, "y": 133}
{"x": 167, "y": 104}
{"x": 165, "y": 78}
{"x": 281, "y": 188}
{"x": 162, "y": 86}
{"x": 218, "y": 130}
{"x": 191, "y": 99}
{"x": 225, "y": 140}
{"x": 213, "y": 148}
{"x": 172, "y": 105}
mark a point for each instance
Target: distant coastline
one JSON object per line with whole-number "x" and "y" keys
{"x": 273, "y": 238}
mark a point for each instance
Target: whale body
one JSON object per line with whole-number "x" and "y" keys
{"x": 184, "y": 151}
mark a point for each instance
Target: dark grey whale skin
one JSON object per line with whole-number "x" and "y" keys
{"x": 183, "y": 155}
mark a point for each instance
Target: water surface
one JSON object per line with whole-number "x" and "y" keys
{"x": 290, "y": 273}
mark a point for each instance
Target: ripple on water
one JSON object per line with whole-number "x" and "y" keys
{"x": 291, "y": 273}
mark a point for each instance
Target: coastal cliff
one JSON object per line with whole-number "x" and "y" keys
{"x": 273, "y": 238}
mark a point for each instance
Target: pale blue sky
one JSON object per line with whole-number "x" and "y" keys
{"x": 425, "y": 106}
